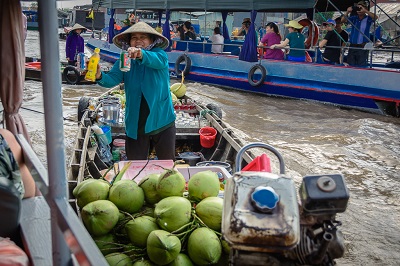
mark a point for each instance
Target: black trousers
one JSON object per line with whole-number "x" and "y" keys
{"x": 163, "y": 142}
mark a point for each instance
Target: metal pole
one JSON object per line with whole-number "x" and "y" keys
{"x": 52, "y": 98}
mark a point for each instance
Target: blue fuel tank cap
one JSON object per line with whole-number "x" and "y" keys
{"x": 264, "y": 199}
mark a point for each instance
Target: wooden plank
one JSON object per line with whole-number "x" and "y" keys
{"x": 36, "y": 230}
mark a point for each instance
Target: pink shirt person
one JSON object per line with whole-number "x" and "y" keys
{"x": 272, "y": 37}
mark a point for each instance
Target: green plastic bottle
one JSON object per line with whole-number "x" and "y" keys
{"x": 92, "y": 65}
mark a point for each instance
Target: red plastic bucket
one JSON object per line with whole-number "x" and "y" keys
{"x": 207, "y": 136}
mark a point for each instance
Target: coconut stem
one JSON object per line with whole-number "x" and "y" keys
{"x": 121, "y": 173}
{"x": 181, "y": 228}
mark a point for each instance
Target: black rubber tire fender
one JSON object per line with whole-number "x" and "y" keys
{"x": 188, "y": 64}
{"x": 68, "y": 78}
{"x": 83, "y": 106}
{"x": 215, "y": 108}
{"x": 252, "y": 70}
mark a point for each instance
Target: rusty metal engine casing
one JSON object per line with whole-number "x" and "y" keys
{"x": 246, "y": 228}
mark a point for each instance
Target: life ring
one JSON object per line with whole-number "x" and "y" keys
{"x": 83, "y": 106}
{"x": 252, "y": 70}
{"x": 188, "y": 64}
{"x": 71, "y": 79}
{"x": 313, "y": 32}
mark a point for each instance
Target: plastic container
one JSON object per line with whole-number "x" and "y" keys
{"x": 107, "y": 132}
{"x": 111, "y": 112}
{"x": 118, "y": 150}
{"x": 92, "y": 65}
{"x": 207, "y": 136}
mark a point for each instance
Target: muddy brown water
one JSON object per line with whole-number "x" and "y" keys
{"x": 313, "y": 138}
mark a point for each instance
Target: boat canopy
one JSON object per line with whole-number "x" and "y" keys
{"x": 226, "y": 5}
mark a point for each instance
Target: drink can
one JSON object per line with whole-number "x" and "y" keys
{"x": 125, "y": 62}
{"x": 81, "y": 61}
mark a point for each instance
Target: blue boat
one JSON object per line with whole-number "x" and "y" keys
{"x": 372, "y": 89}
{"x": 32, "y": 19}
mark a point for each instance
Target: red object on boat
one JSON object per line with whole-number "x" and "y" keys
{"x": 261, "y": 163}
{"x": 35, "y": 65}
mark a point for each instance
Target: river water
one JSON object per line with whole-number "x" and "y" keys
{"x": 313, "y": 139}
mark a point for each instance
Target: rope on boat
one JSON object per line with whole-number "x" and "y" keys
{"x": 204, "y": 112}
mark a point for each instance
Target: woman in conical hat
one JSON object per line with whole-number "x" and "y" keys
{"x": 74, "y": 44}
{"x": 295, "y": 40}
{"x": 149, "y": 113}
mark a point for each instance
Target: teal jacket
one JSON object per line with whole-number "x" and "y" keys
{"x": 148, "y": 77}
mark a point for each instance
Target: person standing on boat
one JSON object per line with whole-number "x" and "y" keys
{"x": 245, "y": 27}
{"x": 271, "y": 37}
{"x": 295, "y": 40}
{"x": 74, "y": 44}
{"x": 362, "y": 21}
{"x": 331, "y": 39}
{"x": 149, "y": 112}
{"x": 217, "y": 41}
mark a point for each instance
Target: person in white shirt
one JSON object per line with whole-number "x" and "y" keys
{"x": 217, "y": 40}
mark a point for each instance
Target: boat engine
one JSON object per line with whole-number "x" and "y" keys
{"x": 265, "y": 224}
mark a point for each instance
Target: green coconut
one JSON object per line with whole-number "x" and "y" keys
{"x": 127, "y": 196}
{"x": 181, "y": 260}
{"x": 118, "y": 259}
{"x": 179, "y": 89}
{"x": 99, "y": 217}
{"x": 202, "y": 185}
{"x": 172, "y": 213}
{"x": 76, "y": 189}
{"x": 209, "y": 211}
{"x": 91, "y": 190}
{"x": 106, "y": 243}
{"x": 162, "y": 247}
{"x": 204, "y": 247}
{"x": 143, "y": 262}
{"x": 139, "y": 229}
{"x": 149, "y": 186}
{"x": 171, "y": 183}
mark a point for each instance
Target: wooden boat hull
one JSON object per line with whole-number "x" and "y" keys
{"x": 86, "y": 160}
{"x": 33, "y": 72}
{"x": 367, "y": 89}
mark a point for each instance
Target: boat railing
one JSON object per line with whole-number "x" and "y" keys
{"x": 76, "y": 244}
{"x": 391, "y": 52}
{"x": 204, "y": 46}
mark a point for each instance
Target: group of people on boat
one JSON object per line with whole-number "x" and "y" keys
{"x": 336, "y": 37}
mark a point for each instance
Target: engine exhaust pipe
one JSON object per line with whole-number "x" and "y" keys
{"x": 319, "y": 255}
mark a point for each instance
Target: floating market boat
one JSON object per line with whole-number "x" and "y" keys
{"x": 278, "y": 230}
{"x": 69, "y": 74}
{"x": 373, "y": 88}
{"x": 241, "y": 173}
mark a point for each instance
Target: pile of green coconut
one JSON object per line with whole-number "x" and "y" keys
{"x": 159, "y": 221}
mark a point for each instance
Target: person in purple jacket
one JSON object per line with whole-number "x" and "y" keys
{"x": 270, "y": 38}
{"x": 75, "y": 43}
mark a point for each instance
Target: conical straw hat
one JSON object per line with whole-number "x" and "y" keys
{"x": 78, "y": 26}
{"x": 140, "y": 27}
{"x": 294, "y": 24}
